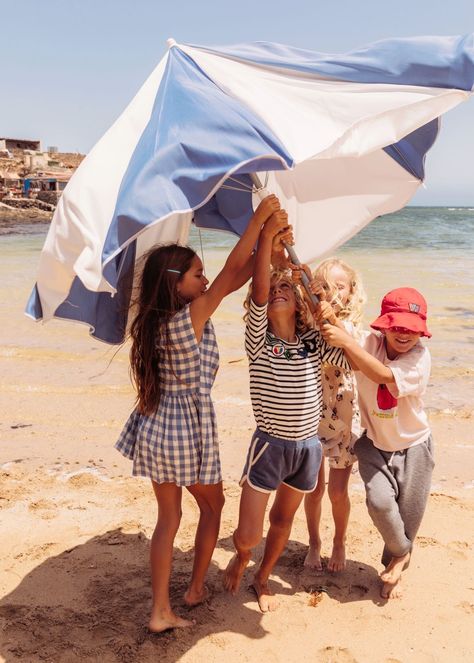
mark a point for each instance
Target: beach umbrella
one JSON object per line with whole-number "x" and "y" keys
{"x": 341, "y": 139}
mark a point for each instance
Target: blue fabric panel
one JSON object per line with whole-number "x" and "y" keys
{"x": 446, "y": 62}
{"x": 106, "y": 315}
{"x": 33, "y": 306}
{"x": 410, "y": 151}
{"x": 196, "y": 134}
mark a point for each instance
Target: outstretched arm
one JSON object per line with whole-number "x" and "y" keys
{"x": 237, "y": 268}
{"x": 277, "y": 223}
{"x": 359, "y": 358}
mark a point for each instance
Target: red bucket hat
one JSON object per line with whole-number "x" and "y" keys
{"x": 403, "y": 307}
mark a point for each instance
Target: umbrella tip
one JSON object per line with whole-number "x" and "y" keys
{"x": 171, "y": 42}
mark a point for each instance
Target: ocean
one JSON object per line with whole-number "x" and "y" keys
{"x": 428, "y": 248}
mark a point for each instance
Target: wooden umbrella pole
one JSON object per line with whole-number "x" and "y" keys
{"x": 262, "y": 193}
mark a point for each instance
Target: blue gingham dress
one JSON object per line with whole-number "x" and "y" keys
{"x": 178, "y": 443}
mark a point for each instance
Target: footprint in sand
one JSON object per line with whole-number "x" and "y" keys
{"x": 467, "y": 607}
{"x": 46, "y": 508}
{"x": 426, "y": 541}
{"x": 361, "y": 590}
{"x": 442, "y": 497}
{"x": 335, "y": 655}
{"x": 37, "y": 552}
{"x": 458, "y": 549}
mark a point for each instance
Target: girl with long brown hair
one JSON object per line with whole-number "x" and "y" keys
{"x": 171, "y": 436}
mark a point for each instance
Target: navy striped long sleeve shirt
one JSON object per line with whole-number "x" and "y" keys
{"x": 285, "y": 378}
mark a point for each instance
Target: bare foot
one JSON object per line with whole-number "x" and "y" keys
{"x": 392, "y": 576}
{"x": 167, "y": 620}
{"x": 313, "y": 557}
{"x": 394, "y": 569}
{"x": 234, "y": 572}
{"x": 337, "y": 561}
{"x": 391, "y": 590}
{"x": 193, "y": 597}
{"x": 267, "y": 601}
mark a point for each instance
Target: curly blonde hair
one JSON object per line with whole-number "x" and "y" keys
{"x": 352, "y": 310}
{"x": 304, "y": 319}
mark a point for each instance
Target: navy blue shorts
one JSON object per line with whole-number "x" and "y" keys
{"x": 272, "y": 461}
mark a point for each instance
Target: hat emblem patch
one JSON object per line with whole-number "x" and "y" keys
{"x": 414, "y": 308}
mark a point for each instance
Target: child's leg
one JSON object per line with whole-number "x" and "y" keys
{"x": 168, "y": 496}
{"x": 210, "y": 500}
{"x": 413, "y": 474}
{"x": 341, "y": 507}
{"x": 381, "y": 496}
{"x": 282, "y": 513}
{"x": 412, "y": 471}
{"x": 247, "y": 535}
{"x": 312, "y": 507}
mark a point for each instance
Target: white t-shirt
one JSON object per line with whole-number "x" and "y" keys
{"x": 393, "y": 414}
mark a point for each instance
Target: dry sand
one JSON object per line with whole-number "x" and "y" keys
{"x": 76, "y": 528}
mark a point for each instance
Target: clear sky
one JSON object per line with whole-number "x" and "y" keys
{"x": 69, "y": 67}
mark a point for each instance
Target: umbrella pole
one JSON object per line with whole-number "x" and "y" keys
{"x": 262, "y": 193}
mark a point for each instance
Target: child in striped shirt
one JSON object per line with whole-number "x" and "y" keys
{"x": 285, "y": 356}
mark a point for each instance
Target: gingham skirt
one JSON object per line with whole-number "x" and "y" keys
{"x": 178, "y": 444}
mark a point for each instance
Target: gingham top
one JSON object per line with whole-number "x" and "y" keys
{"x": 178, "y": 443}
{"x": 285, "y": 378}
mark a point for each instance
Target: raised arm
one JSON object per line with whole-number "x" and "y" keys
{"x": 359, "y": 358}
{"x": 277, "y": 223}
{"x": 237, "y": 268}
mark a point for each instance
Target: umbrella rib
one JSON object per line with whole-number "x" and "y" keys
{"x": 244, "y": 184}
{"x": 235, "y": 188}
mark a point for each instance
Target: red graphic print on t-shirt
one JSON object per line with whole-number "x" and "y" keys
{"x": 385, "y": 400}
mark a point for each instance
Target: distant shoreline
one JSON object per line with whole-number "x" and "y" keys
{"x": 29, "y": 215}
{"x": 10, "y": 217}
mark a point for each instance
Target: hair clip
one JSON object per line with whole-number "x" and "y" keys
{"x": 175, "y": 271}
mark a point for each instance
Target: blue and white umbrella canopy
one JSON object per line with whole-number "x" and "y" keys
{"x": 340, "y": 139}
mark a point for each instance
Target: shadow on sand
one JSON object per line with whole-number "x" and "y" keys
{"x": 358, "y": 582}
{"x": 90, "y": 604}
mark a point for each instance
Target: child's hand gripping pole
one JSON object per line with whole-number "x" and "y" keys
{"x": 262, "y": 193}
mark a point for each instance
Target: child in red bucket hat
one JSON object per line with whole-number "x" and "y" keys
{"x": 404, "y": 308}
{"x": 395, "y": 452}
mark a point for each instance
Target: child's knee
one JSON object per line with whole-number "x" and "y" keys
{"x": 246, "y": 538}
{"x": 338, "y": 494}
{"x": 218, "y": 503}
{"x": 169, "y": 521}
{"x": 212, "y": 508}
{"x": 280, "y": 521}
{"x": 379, "y": 504}
{"x": 317, "y": 494}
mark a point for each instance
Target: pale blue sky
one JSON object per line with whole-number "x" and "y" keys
{"x": 69, "y": 67}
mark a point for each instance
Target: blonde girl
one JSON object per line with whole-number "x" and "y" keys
{"x": 342, "y": 289}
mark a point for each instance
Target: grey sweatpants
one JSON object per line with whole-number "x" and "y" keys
{"x": 397, "y": 487}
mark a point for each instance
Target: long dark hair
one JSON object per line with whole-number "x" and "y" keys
{"x": 158, "y": 300}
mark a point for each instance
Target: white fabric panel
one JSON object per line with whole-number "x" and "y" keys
{"x": 314, "y": 117}
{"x": 328, "y": 202}
{"x": 82, "y": 218}
{"x": 174, "y": 229}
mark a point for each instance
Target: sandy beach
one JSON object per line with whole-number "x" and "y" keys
{"x": 76, "y": 526}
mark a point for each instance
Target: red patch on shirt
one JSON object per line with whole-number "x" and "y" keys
{"x": 385, "y": 400}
